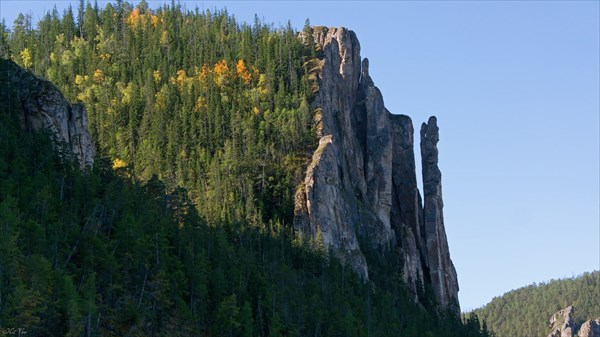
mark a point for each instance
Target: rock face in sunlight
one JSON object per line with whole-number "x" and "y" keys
{"x": 42, "y": 105}
{"x": 561, "y": 323}
{"x": 360, "y": 190}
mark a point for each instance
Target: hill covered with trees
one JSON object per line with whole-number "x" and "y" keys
{"x": 525, "y": 311}
{"x": 197, "y": 99}
{"x": 183, "y": 226}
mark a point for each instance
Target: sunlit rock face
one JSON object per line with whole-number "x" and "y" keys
{"x": 360, "y": 189}
{"x": 561, "y": 323}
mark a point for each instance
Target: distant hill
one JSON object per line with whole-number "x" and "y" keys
{"x": 525, "y": 311}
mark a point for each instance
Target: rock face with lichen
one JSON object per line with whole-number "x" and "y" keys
{"x": 360, "y": 190}
{"x": 42, "y": 106}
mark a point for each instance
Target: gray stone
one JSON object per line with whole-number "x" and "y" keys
{"x": 361, "y": 185}
{"x": 590, "y": 328}
{"x": 441, "y": 269}
{"x": 406, "y": 207}
{"x": 80, "y": 140}
{"x": 561, "y": 323}
{"x": 43, "y": 106}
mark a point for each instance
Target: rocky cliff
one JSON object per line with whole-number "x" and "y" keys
{"x": 561, "y": 325}
{"x": 590, "y": 328}
{"x": 41, "y": 105}
{"x": 360, "y": 189}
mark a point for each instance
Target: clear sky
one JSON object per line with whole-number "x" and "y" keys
{"x": 515, "y": 87}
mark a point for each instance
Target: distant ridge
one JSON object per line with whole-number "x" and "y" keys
{"x": 525, "y": 311}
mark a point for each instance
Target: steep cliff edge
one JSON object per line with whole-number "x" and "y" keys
{"x": 42, "y": 105}
{"x": 360, "y": 190}
{"x": 441, "y": 268}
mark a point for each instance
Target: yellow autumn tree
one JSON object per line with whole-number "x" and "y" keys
{"x": 79, "y": 79}
{"x": 98, "y": 75}
{"x": 134, "y": 18}
{"x": 204, "y": 73}
{"x": 118, "y": 163}
{"x": 221, "y": 71}
{"x": 154, "y": 20}
{"x": 157, "y": 76}
{"x": 26, "y": 58}
{"x": 180, "y": 80}
{"x": 242, "y": 72}
{"x": 137, "y": 19}
{"x": 200, "y": 104}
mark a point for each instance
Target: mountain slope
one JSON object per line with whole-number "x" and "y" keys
{"x": 238, "y": 115}
{"x": 214, "y": 127}
{"x": 99, "y": 254}
{"x": 525, "y": 311}
{"x": 184, "y": 224}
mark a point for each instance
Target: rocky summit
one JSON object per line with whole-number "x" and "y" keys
{"x": 42, "y": 106}
{"x": 360, "y": 189}
{"x": 561, "y": 323}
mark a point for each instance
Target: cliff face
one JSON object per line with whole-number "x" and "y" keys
{"x": 561, "y": 325}
{"x": 442, "y": 272}
{"x": 590, "y": 328}
{"x": 42, "y": 105}
{"x": 361, "y": 185}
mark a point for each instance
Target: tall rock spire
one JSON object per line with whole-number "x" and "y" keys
{"x": 441, "y": 270}
{"x": 361, "y": 186}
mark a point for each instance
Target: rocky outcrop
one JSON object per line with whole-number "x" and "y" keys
{"x": 590, "y": 328}
{"x": 561, "y": 323}
{"x": 406, "y": 213}
{"x": 42, "y": 106}
{"x": 359, "y": 195}
{"x": 441, "y": 269}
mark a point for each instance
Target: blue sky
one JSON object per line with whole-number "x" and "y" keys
{"x": 515, "y": 87}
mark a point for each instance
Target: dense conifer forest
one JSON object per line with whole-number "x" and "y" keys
{"x": 526, "y": 311}
{"x": 184, "y": 225}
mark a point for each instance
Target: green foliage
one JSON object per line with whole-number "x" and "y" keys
{"x": 183, "y": 227}
{"x": 526, "y": 311}
{"x": 198, "y": 100}
{"x": 97, "y": 254}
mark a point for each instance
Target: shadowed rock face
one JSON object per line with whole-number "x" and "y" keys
{"x": 43, "y": 106}
{"x": 441, "y": 269}
{"x": 590, "y": 328}
{"x": 361, "y": 184}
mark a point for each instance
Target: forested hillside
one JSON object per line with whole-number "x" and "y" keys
{"x": 197, "y": 99}
{"x": 525, "y": 311}
{"x": 183, "y": 226}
